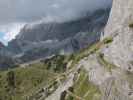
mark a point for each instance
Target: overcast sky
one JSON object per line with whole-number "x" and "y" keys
{"x": 15, "y": 13}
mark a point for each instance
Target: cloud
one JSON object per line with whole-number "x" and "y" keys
{"x": 15, "y": 12}
{"x": 9, "y": 31}
{"x": 31, "y": 10}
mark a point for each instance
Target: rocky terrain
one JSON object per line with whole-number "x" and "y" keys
{"x": 120, "y": 27}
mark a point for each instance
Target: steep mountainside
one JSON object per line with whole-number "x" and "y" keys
{"x": 120, "y": 27}
{"x": 55, "y": 37}
{"x": 40, "y": 40}
{"x": 62, "y": 30}
{"x": 5, "y": 61}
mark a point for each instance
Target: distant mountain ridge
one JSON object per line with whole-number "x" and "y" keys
{"x": 46, "y": 39}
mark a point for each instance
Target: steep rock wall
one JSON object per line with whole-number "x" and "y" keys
{"x": 120, "y": 52}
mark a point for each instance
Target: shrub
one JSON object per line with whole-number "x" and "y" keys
{"x": 108, "y": 40}
{"x": 131, "y": 25}
{"x": 101, "y": 59}
{"x": 11, "y": 79}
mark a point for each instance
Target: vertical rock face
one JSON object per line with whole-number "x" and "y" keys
{"x": 120, "y": 26}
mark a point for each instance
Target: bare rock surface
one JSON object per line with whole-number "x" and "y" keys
{"x": 97, "y": 73}
{"x": 120, "y": 52}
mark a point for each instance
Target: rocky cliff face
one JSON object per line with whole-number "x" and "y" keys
{"x": 112, "y": 66}
{"x": 120, "y": 27}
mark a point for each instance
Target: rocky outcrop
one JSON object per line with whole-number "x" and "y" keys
{"x": 120, "y": 52}
{"x": 119, "y": 85}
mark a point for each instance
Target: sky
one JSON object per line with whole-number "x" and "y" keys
{"x": 14, "y": 14}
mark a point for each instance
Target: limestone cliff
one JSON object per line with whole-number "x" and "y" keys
{"x": 121, "y": 50}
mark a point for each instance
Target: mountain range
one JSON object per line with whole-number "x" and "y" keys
{"x": 40, "y": 40}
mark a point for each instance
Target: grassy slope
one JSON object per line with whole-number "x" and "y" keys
{"x": 28, "y": 80}
{"x": 84, "y": 89}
